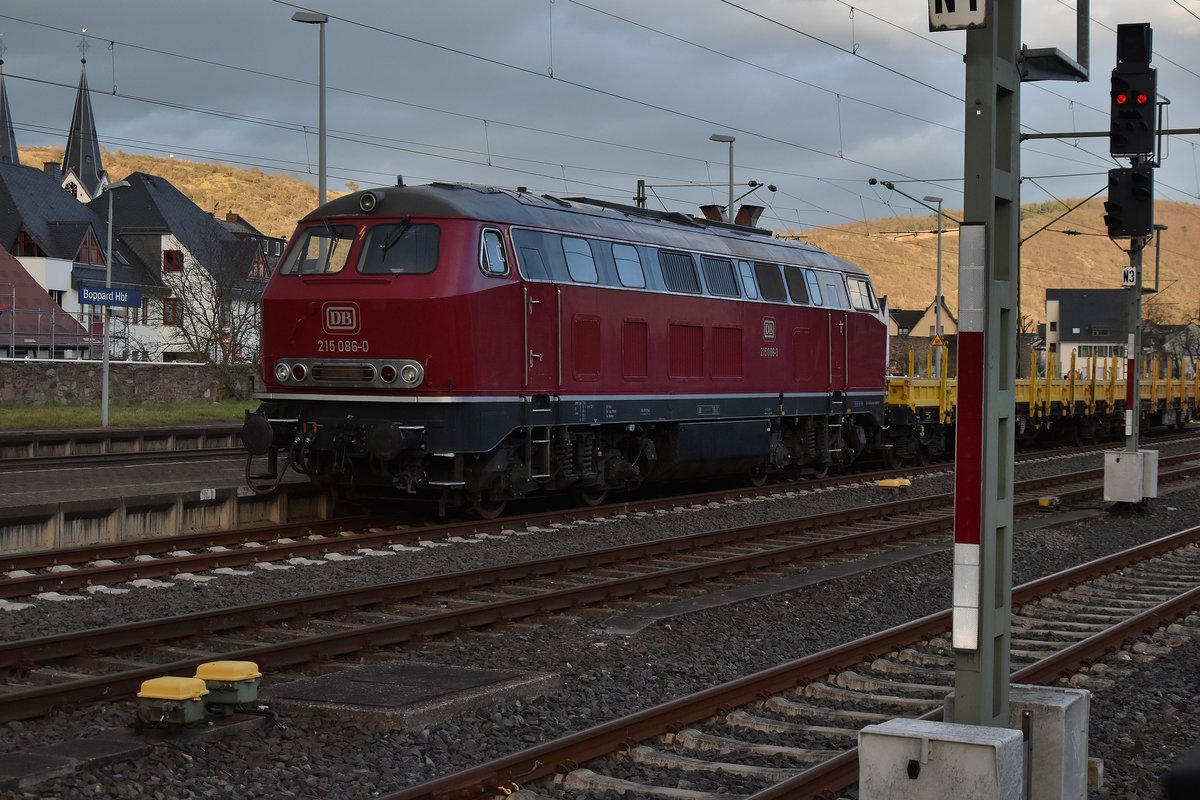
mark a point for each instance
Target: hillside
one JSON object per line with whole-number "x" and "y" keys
{"x": 900, "y": 253}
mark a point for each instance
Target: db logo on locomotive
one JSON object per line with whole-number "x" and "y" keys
{"x": 341, "y": 318}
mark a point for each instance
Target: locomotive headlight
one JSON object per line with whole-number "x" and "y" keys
{"x": 299, "y": 372}
{"x": 367, "y": 202}
{"x": 282, "y": 372}
{"x": 387, "y": 373}
{"x": 410, "y": 374}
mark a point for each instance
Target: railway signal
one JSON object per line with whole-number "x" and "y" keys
{"x": 1129, "y": 210}
{"x": 1133, "y": 117}
{"x": 1132, "y": 125}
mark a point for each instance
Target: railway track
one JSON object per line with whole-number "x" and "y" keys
{"x": 790, "y": 731}
{"x": 75, "y": 668}
{"x": 107, "y": 564}
{"x": 109, "y": 459}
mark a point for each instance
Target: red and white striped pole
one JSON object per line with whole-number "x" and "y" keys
{"x": 970, "y": 430}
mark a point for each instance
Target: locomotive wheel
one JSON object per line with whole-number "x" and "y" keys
{"x": 487, "y": 508}
{"x": 591, "y": 496}
{"x": 815, "y": 471}
{"x": 759, "y": 475}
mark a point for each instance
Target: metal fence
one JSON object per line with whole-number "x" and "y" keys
{"x": 50, "y": 333}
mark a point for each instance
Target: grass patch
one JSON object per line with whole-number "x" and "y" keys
{"x": 122, "y": 416}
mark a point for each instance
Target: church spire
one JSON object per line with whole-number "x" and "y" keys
{"x": 8, "y": 141}
{"x": 83, "y": 172}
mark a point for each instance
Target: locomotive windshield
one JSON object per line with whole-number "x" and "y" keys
{"x": 402, "y": 249}
{"x": 320, "y": 251}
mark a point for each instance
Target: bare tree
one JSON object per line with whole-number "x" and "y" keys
{"x": 211, "y": 312}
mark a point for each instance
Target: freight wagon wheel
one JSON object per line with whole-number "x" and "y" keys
{"x": 920, "y": 455}
{"x": 591, "y": 496}
{"x": 892, "y": 459}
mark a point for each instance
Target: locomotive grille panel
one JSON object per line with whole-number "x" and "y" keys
{"x": 346, "y": 374}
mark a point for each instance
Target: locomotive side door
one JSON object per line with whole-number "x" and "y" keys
{"x": 542, "y": 337}
{"x": 837, "y": 350}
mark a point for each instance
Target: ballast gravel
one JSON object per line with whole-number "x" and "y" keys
{"x": 1139, "y": 726}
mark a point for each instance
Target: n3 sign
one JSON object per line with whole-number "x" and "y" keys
{"x": 1128, "y": 277}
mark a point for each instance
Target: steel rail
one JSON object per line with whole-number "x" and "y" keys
{"x": 198, "y": 562}
{"x": 27, "y": 463}
{"x": 501, "y": 775}
{"x": 65, "y": 645}
{"x": 25, "y": 703}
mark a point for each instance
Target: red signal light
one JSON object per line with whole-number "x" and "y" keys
{"x": 1121, "y": 98}
{"x": 1142, "y": 98}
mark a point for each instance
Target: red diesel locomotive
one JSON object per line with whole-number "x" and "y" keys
{"x": 476, "y": 345}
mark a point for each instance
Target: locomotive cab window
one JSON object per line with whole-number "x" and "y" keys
{"x": 861, "y": 296}
{"x": 322, "y": 250}
{"x": 402, "y": 249}
{"x": 491, "y": 253}
{"x": 581, "y": 265}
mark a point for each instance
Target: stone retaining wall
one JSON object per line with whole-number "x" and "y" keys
{"x": 29, "y": 382}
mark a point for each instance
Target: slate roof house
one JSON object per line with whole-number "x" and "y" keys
{"x": 901, "y": 322}
{"x": 199, "y": 280}
{"x": 270, "y": 247}
{"x": 202, "y": 267}
{"x": 1085, "y": 323}
{"x": 58, "y": 241}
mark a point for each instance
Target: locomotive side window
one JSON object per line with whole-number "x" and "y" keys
{"x": 629, "y": 266}
{"x": 581, "y": 265}
{"x": 720, "y": 277}
{"x": 679, "y": 272}
{"x": 770, "y": 282}
{"x": 797, "y": 286}
{"x": 491, "y": 253}
{"x": 861, "y": 296}
{"x": 748, "y": 282}
{"x": 403, "y": 249}
{"x": 814, "y": 288}
{"x": 835, "y": 290}
{"x": 321, "y": 250}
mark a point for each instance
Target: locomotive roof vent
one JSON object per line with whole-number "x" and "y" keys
{"x": 367, "y": 202}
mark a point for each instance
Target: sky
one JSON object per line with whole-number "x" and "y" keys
{"x": 586, "y": 97}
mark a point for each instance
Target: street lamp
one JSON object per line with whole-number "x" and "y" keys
{"x": 721, "y": 137}
{"x": 937, "y": 302}
{"x": 314, "y": 18}
{"x": 937, "y": 324}
{"x": 108, "y": 254}
{"x": 12, "y": 322}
